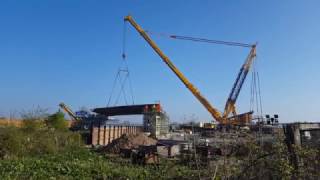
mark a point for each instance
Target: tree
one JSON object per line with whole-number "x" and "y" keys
{"x": 57, "y": 121}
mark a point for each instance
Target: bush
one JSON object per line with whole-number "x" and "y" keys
{"x": 31, "y": 125}
{"x": 15, "y": 142}
{"x": 308, "y": 163}
{"x": 40, "y": 134}
{"x": 34, "y": 119}
{"x": 11, "y": 142}
{"x": 57, "y": 121}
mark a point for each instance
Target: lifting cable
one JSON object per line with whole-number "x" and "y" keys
{"x": 122, "y": 81}
{"x": 259, "y": 91}
{"x": 122, "y": 75}
{"x": 113, "y": 88}
{"x": 188, "y": 38}
{"x": 255, "y": 98}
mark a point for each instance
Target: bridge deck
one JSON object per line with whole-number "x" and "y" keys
{"x": 124, "y": 110}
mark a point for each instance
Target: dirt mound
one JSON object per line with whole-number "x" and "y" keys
{"x": 129, "y": 142}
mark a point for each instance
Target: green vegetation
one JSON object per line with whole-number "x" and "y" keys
{"x": 17, "y": 143}
{"x": 271, "y": 161}
{"x": 83, "y": 164}
{"x": 43, "y": 148}
{"x": 57, "y": 121}
{"x": 59, "y": 154}
{"x": 37, "y": 137}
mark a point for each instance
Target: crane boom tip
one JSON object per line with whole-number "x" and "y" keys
{"x": 126, "y": 18}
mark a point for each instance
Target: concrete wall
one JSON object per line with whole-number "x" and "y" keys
{"x": 157, "y": 123}
{"x": 301, "y": 134}
{"x": 104, "y": 135}
{"x": 296, "y": 133}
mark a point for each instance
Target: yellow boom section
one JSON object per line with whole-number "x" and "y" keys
{"x": 69, "y": 111}
{"x": 214, "y": 112}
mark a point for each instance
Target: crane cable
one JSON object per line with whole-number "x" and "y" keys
{"x": 255, "y": 98}
{"x": 124, "y": 56}
{"x": 123, "y": 69}
{"x": 188, "y": 38}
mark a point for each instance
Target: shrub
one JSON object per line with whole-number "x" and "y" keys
{"x": 57, "y": 121}
{"x": 30, "y": 125}
{"x": 15, "y": 142}
{"x": 81, "y": 163}
{"x": 11, "y": 142}
{"x": 33, "y": 120}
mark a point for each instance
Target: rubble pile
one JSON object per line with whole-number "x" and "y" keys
{"x": 129, "y": 142}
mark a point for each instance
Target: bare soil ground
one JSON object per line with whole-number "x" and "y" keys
{"x": 129, "y": 142}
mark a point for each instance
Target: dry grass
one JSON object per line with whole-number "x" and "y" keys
{"x": 11, "y": 122}
{"x": 17, "y": 122}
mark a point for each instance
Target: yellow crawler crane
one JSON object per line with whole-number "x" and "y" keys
{"x": 230, "y": 105}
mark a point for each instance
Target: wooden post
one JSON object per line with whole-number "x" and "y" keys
{"x": 109, "y": 132}
{"x": 94, "y": 135}
{"x": 104, "y": 135}
{"x": 98, "y": 135}
{"x": 114, "y": 131}
{"x": 119, "y": 131}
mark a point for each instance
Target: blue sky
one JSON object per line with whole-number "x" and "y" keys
{"x": 53, "y": 51}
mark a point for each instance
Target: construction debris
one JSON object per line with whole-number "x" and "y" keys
{"x": 129, "y": 142}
